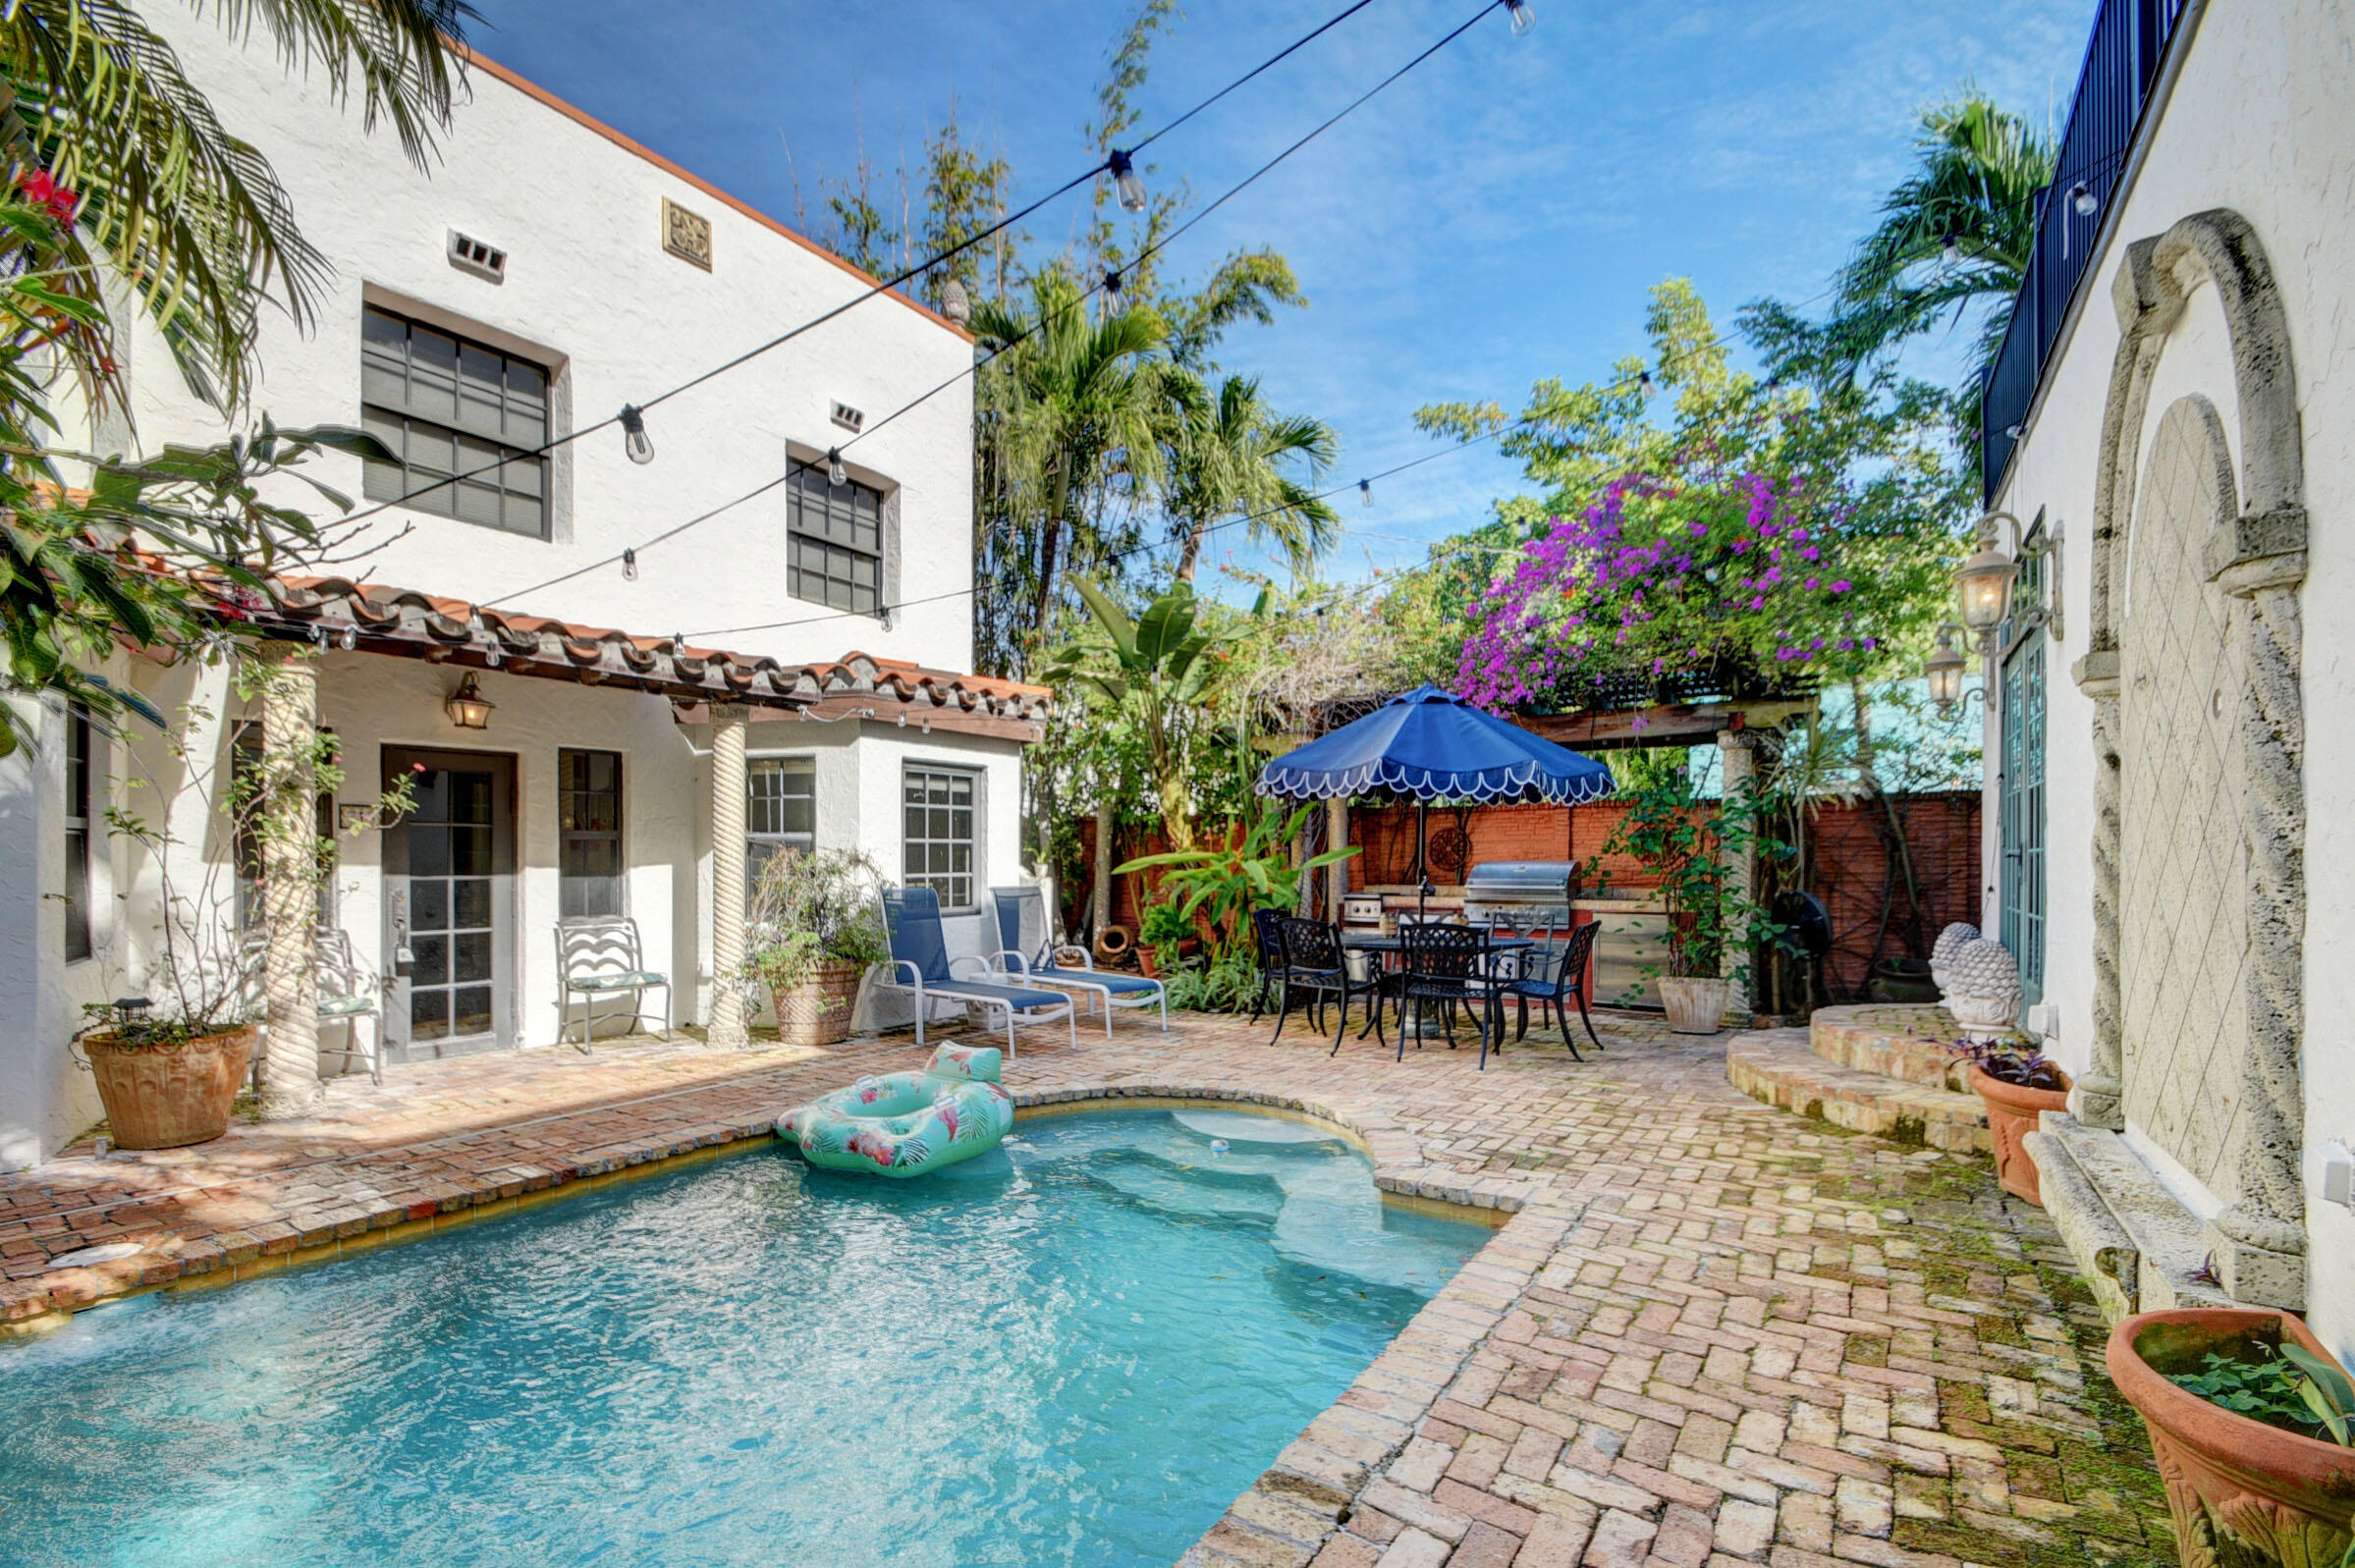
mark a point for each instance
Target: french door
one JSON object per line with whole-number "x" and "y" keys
{"x": 449, "y": 927}
{"x": 2022, "y": 884}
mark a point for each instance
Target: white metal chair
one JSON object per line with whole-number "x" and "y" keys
{"x": 348, "y": 994}
{"x": 604, "y": 958}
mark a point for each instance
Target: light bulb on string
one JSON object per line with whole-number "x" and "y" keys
{"x": 1112, "y": 282}
{"x": 629, "y": 564}
{"x": 2082, "y": 197}
{"x": 1951, "y": 249}
{"x": 836, "y": 473}
{"x": 350, "y": 638}
{"x": 635, "y": 440}
{"x": 1365, "y": 492}
{"x": 1646, "y": 386}
{"x": 1125, "y": 184}
{"x": 1523, "y": 19}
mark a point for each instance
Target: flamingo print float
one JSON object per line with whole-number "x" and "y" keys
{"x": 906, "y": 1123}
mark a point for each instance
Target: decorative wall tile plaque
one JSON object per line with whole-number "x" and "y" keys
{"x": 686, "y": 234}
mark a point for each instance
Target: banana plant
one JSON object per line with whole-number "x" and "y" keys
{"x": 1225, "y": 886}
{"x": 1156, "y": 670}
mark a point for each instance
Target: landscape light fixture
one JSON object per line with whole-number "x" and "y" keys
{"x": 836, "y": 473}
{"x": 629, "y": 564}
{"x": 1523, "y": 19}
{"x": 468, "y": 708}
{"x": 2082, "y": 197}
{"x": 635, "y": 440}
{"x": 1365, "y": 491}
{"x": 1130, "y": 189}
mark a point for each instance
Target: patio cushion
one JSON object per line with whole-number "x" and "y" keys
{"x": 620, "y": 980}
{"x": 1015, "y": 997}
{"x": 1118, "y": 984}
{"x": 345, "y": 1007}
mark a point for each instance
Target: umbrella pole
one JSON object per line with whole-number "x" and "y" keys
{"x": 1422, "y": 856}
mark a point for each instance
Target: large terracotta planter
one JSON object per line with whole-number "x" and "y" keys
{"x": 2011, "y": 1114}
{"x": 818, "y": 1011}
{"x": 2243, "y": 1493}
{"x": 1695, "y": 1006}
{"x": 161, "y": 1097}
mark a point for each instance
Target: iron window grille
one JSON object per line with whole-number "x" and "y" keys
{"x": 588, "y": 826}
{"x": 834, "y": 536}
{"x": 445, "y": 406}
{"x": 939, "y": 845}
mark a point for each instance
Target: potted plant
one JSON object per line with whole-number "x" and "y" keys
{"x": 1683, "y": 841}
{"x": 2251, "y": 1421}
{"x": 814, "y": 931}
{"x": 1164, "y": 935}
{"x": 2018, "y": 1086}
{"x": 168, "y": 1066}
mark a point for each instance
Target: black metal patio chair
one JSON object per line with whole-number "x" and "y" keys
{"x": 1267, "y": 949}
{"x": 1313, "y": 971}
{"x": 1550, "y": 974}
{"x": 1447, "y": 967}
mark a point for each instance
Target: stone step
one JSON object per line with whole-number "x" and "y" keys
{"x": 1911, "y": 1042}
{"x": 1778, "y": 1067}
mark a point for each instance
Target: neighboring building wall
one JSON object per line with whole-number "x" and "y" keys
{"x": 2260, "y": 124}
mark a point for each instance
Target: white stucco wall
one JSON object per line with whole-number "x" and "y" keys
{"x": 2261, "y": 121}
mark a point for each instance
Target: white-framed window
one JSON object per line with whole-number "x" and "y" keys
{"x": 447, "y": 406}
{"x": 781, "y": 808}
{"x": 833, "y": 541}
{"x": 939, "y": 841}
{"x": 589, "y": 827}
{"x": 82, "y": 794}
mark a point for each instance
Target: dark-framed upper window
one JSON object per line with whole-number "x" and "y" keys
{"x": 834, "y": 538}
{"x": 81, "y": 755}
{"x": 780, "y": 807}
{"x": 588, "y": 824}
{"x": 447, "y": 406}
{"x": 937, "y": 850}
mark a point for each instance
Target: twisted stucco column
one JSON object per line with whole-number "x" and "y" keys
{"x": 726, "y": 1025}
{"x": 2098, "y": 1098}
{"x": 1739, "y": 751}
{"x": 289, "y": 875}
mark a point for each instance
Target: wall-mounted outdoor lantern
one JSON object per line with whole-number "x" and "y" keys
{"x": 1984, "y": 581}
{"x": 467, "y": 707}
{"x": 1945, "y": 670}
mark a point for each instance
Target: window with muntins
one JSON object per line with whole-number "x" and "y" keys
{"x": 80, "y": 793}
{"x": 834, "y": 537}
{"x": 589, "y": 827}
{"x": 781, "y": 808}
{"x": 939, "y": 853}
{"x": 446, "y": 406}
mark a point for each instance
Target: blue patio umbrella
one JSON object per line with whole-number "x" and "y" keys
{"x": 1434, "y": 746}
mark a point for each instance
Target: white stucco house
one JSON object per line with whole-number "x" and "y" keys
{"x": 655, "y": 722}
{"x": 2171, "y": 854}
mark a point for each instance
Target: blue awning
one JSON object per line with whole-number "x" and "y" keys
{"x": 1434, "y": 746}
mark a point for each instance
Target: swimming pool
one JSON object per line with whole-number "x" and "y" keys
{"x": 1076, "y": 1349}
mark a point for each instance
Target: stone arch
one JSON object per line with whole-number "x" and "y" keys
{"x": 2254, "y": 557}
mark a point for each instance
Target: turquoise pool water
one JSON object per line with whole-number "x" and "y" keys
{"x": 1077, "y": 1349}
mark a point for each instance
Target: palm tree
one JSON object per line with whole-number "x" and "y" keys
{"x": 1231, "y": 454}
{"x": 179, "y": 209}
{"x": 1076, "y": 411}
{"x": 1958, "y": 230}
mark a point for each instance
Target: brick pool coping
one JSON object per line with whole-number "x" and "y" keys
{"x": 1703, "y": 1338}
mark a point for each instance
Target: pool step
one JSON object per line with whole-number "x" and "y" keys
{"x": 1779, "y": 1067}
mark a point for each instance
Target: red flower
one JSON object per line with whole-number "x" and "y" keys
{"x": 42, "y": 188}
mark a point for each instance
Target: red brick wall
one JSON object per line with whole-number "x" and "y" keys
{"x": 1848, "y": 864}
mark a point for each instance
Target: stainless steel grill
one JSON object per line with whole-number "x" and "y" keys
{"x": 1531, "y": 894}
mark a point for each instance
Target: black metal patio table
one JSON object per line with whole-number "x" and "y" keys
{"x": 1391, "y": 948}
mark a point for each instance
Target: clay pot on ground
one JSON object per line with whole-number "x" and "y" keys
{"x": 818, "y": 1011}
{"x": 1695, "y": 1006}
{"x": 1900, "y": 979}
{"x": 2242, "y": 1492}
{"x": 164, "y": 1097}
{"x": 2012, "y": 1113}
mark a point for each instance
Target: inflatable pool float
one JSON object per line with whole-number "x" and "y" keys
{"x": 906, "y": 1123}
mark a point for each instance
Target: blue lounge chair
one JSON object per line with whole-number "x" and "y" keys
{"x": 922, "y": 968}
{"x": 1027, "y": 950}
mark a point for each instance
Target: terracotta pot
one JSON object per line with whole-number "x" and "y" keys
{"x": 818, "y": 1011}
{"x": 1145, "y": 963}
{"x": 2011, "y": 1114}
{"x": 2243, "y": 1493}
{"x": 161, "y": 1097}
{"x": 1695, "y": 1006}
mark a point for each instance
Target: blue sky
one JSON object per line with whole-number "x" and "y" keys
{"x": 1492, "y": 219}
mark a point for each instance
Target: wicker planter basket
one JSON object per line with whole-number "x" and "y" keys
{"x": 818, "y": 1011}
{"x": 162, "y": 1097}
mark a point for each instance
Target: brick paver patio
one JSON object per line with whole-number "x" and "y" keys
{"x": 1711, "y": 1333}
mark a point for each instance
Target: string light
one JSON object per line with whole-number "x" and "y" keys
{"x": 350, "y": 638}
{"x": 629, "y": 565}
{"x": 635, "y": 440}
{"x": 1125, "y": 183}
{"x": 1365, "y": 492}
{"x": 2082, "y": 197}
{"x": 1951, "y": 249}
{"x": 1523, "y": 19}
{"x": 836, "y": 473}
{"x": 1112, "y": 282}
{"x": 1646, "y": 386}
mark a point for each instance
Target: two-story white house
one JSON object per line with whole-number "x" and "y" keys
{"x": 2166, "y": 459}
{"x": 655, "y": 711}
